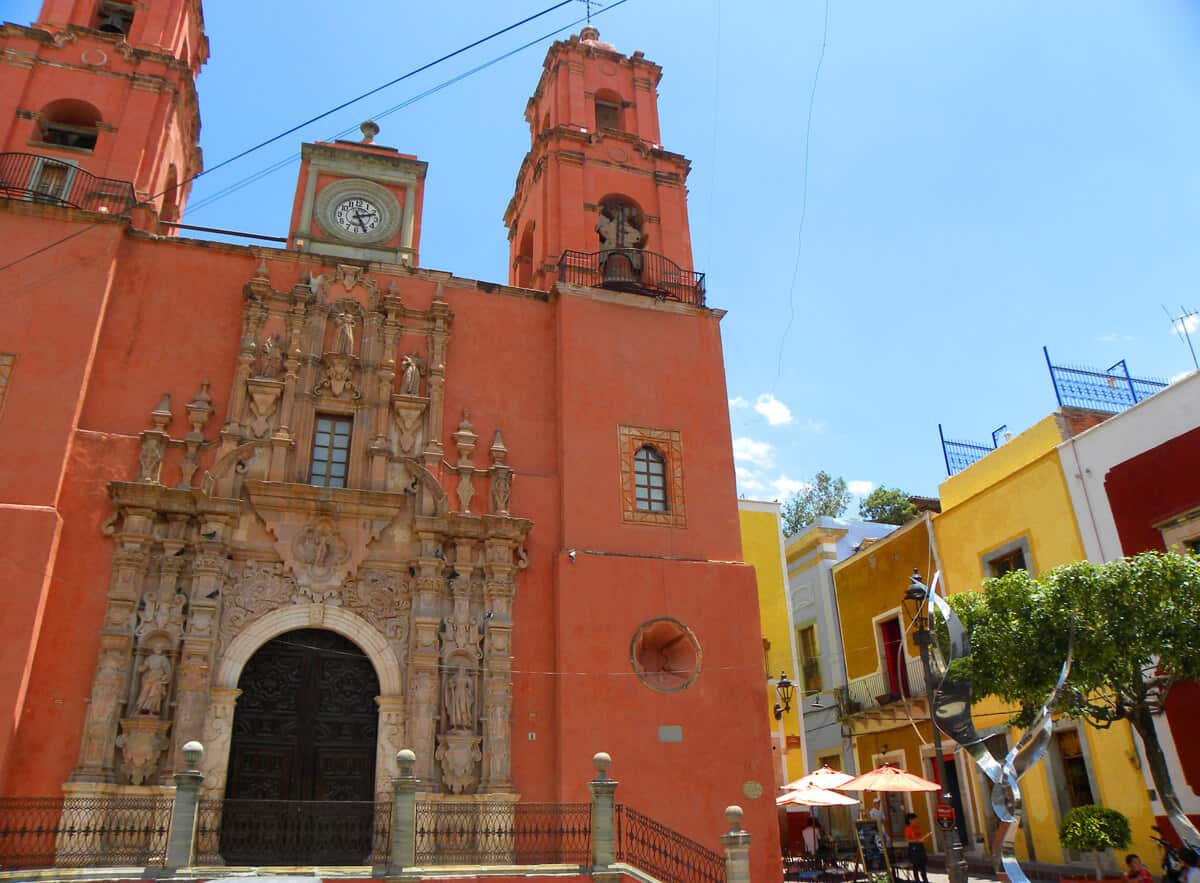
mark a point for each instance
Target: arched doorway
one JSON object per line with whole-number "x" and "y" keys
{"x": 301, "y": 779}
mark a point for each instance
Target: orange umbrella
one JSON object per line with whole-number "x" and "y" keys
{"x": 888, "y": 778}
{"x": 812, "y": 796}
{"x": 825, "y": 777}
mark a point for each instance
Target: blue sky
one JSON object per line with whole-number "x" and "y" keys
{"x": 982, "y": 179}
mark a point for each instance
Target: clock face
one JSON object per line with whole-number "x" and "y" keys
{"x": 357, "y": 216}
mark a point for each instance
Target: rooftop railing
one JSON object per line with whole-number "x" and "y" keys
{"x": 632, "y": 270}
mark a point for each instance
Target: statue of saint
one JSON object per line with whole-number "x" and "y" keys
{"x": 410, "y": 379}
{"x": 344, "y": 342}
{"x": 156, "y": 675}
{"x": 462, "y": 701}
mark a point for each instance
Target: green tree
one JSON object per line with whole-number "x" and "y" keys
{"x": 1136, "y": 623}
{"x": 887, "y": 505}
{"x": 824, "y": 495}
{"x": 1094, "y": 829}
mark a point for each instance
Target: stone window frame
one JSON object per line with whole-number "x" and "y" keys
{"x": 1181, "y": 532}
{"x": 668, "y": 443}
{"x": 1020, "y": 544}
{"x": 314, "y": 458}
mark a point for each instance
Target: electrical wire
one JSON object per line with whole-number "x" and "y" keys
{"x": 812, "y": 99}
{"x": 296, "y": 128}
{"x": 289, "y": 160}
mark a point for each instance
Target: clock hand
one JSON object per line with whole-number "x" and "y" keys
{"x": 358, "y": 216}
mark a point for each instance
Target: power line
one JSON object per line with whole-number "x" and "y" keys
{"x": 307, "y": 122}
{"x": 812, "y": 98}
{"x": 283, "y": 163}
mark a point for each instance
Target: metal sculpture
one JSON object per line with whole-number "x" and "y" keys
{"x": 952, "y": 713}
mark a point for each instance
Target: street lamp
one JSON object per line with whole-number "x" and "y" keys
{"x": 917, "y": 595}
{"x": 785, "y": 690}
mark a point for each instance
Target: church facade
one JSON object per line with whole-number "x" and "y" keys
{"x": 314, "y": 503}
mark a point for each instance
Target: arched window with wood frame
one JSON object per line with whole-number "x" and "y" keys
{"x": 650, "y": 480}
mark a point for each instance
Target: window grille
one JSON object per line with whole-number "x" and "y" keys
{"x": 331, "y": 451}
{"x": 650, "y": 480}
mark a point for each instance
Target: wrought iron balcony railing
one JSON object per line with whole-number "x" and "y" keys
{"x": 875, "y": 691}
{"x": 633, "y": 270}
{"x": 35, "y": 178}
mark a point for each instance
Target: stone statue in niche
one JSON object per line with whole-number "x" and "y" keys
{"x": 150, "y": 458}
{"x": 156, "y": 676}
{"x": 270, "y": 357}
{"x": 344, "y": 339}
{"x": 410, "y": 377}
{"x": 461, "y": 701}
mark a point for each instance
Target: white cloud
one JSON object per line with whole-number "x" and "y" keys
{"x": 814, "y": 425}
{"x": 738, "y": 402}
{"x": 748, "y": 479}
{"x": 1190, "y": 324}
{"x": 756, "y": 453}
{"x": 1114, "y": 337}
{"x": 788, "y": 486}
{"x": 860, "y": 488}
{"x": 776, "y": 412}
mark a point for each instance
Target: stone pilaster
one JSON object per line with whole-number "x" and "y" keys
{"x": 218, "y": 734}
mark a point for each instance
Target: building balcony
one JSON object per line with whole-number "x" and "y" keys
{"x": 632, "y": 270}
{"x": 31, "y": 177}
{"x": 875, "y": 693}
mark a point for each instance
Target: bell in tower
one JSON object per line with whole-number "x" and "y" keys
{"x": 599, "y": 202}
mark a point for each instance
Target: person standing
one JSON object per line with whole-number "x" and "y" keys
{"x": 880, "y": 818}
{"x": 915, "y": 838}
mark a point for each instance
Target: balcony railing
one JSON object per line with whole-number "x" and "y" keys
{"x": 875, "y": 690}
{"x": 45, "y": 179}
{"x": 634, "y": 270}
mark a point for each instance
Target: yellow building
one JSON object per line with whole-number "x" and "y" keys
{"x": 762, "y": 546}
{"x": 1009, "y": 510}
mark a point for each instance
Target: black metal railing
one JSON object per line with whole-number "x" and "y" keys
{"x": 1112, "y": 390}
{"x": 500, "y": 833}
{"x": 293, "y": 832}
{"x": 35, "y": 178}
{"x": 46, "y": 832}
{"x": 635, "y": 270}
{"x": 662, "y": 852}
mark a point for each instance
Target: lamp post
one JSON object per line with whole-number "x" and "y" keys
{"x": 785, "y": 691}
{"x": 917, "y": 595}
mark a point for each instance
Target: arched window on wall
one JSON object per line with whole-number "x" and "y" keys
{"x": 115, "y": 18}
{"x": 69, "y": 122}
{"x": 610, "y": 111}
{"x": 524, "y": 262}
{"x": 650, "y": 479}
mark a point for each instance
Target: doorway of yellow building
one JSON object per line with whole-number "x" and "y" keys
{"x": 955, "y": 787}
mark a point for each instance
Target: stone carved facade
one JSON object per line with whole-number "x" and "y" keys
{"x": 205, "y": 573}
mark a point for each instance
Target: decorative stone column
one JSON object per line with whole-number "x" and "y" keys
{"x": 425, "y": 656}
{"x": 218, "y": 734}
{"x": 737, "y": 847}
{"x": 110, "y": 683}
{"x": 497, "y": 666}
{"x": 404, "y": 814}
{"x": 604, "y": 832}
{"x": 181, "y": 843}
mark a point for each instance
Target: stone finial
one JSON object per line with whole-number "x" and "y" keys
{"x": 602, "y": 761}
{"x": 193, "y": 753}
{"x": 406, "y": 759}
{"x": 161, "y": 415}
{"x": 733, "y": 815}
{"x": 499, "y": 451}
{"x": 369, "y": 129}
{"x": 200, "y": 408}
{"x": 261, "y": 272}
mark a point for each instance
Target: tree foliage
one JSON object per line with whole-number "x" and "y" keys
{"x": 887, "y": 506}
{"x": 824, "y": 495}
{"x": 1136, "y": 625}
{"x": 1094, "y": 829}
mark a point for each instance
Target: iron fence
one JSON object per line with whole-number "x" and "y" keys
{"x": 631, "y": 269}
{"x": 45, "y": 179}
{"x": 653, "y": 847}
{"x": 960, "y": 454}
{"x": 293, "y": 832}
{"x": 1112, "y": 390}
{"x": 499, "y": 833}
{"x": 46, "y": 832}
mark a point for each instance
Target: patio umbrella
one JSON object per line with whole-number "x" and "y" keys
{"x": 811, "y": 796}
{"x": 888, "y": 778}
{"x": 825, "y": 777}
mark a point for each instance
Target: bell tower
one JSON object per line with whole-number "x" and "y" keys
{"x": 99, "y": 95}
{"x": 598, "y": 200}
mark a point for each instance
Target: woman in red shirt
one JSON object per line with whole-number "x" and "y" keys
{"x": 916, "y": 847}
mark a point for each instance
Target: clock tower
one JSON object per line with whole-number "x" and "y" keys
{"x": 358, "y": 200}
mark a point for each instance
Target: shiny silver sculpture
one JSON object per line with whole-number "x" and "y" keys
{"x": 952, "y": 711}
